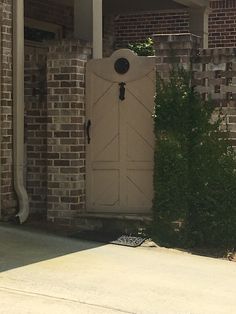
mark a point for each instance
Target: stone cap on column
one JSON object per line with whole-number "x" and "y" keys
{"x": 69, "y": 46}
{"x": 177, "y": 41}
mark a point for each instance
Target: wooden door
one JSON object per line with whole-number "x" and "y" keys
{"x": 120, "y": 99}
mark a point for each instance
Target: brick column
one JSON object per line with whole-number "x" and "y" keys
{"x": 213, "y": 70}
{"x": 175, "y": 49}
{"x": 36, "y": 129}
{"x": 214, "y": 77}
{"x": 66, "y": 118}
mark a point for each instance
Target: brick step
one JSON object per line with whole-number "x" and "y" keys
{"x": 126, "y": 223}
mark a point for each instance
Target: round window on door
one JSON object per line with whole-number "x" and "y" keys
{"x": 122, "y": 66}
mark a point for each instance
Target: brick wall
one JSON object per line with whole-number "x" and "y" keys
{"x": 36, "y": 129}
{"x": 215, "y": 77}
{"x": 139, "y": 26}
{"x": 214, "y": 71}
{"x": 7, "y": 191}
{"x": 51, "y": 11}
{"x": 66, "y": 119}
{"x": 222, "y": 24}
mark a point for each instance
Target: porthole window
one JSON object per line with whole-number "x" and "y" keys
{"x": 122, "y": 66}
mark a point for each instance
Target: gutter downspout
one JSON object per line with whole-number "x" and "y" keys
{"x": 18, "y": 109}
{"x": 1, "y": 54}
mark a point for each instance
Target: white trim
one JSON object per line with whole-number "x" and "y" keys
{"x": 97, "y": 29}
{"x": 198, "y": 24}
{"x": 88, "y": 24}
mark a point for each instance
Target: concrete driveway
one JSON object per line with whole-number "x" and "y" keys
{"x": 42, "y": 273}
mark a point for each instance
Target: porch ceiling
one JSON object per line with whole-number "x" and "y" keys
{"x": 121, "y": 6}
{"x": 194, "y": 3}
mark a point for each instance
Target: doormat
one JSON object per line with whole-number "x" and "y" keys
{"x": 110, "y": 238}
{"x": 129, "y": 241}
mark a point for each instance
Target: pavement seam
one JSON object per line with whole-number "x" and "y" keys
{"x": 35, "y": 294}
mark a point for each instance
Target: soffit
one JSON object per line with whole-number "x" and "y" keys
{"x": 121, "y": 6}
{"x": 125, "y": 6}
{"x": 194, "y": 3}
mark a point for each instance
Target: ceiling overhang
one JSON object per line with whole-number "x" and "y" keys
{"x": 142, "y": 5}
{"x": 124, "y": 6}
{"x": 194, "y": 3}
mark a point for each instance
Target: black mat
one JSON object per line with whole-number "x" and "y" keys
{"x": 112, "y": 238}
{"x": 129, "y": 241}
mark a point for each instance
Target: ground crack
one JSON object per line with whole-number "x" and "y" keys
{"x": 35, "y": 294}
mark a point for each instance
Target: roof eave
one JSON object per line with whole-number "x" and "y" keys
{"x": 194, "y": 3}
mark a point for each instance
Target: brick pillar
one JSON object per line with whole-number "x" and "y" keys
{"x": 66, "y": 118}
{"x": 214, "y": 78}
{"x": 175, "y": 48}
{"x": 213, "y": 70}
{"x": 36, "y": 129}
{"x": 231, "y": 120}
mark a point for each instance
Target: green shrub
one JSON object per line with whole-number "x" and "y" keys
{"x": 144, "y": 48}
{"x": 195, "y": 169}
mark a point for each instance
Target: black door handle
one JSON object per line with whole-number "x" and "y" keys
{"x": 122, "y": 91}
{"x": 88, "y": 130}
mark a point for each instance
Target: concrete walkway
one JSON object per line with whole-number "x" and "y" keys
{"x": 41, "y": 273}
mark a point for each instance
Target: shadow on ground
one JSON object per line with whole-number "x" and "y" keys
{"x": 20, "y": 247}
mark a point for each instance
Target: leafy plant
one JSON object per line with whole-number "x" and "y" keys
{"x": 144, "y": 48}
{"x": 195, "y": 169}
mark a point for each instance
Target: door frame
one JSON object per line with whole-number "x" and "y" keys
{"x": 93, "y": 67}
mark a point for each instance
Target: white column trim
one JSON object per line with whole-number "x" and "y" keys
{"x": 199, "y": 24}
{"x": 97, "y": 29}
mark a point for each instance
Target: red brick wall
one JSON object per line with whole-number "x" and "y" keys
{"x": 51, "y": 11}
{"x": 222, "y": 24}
{"x": 139, "y": 26}
{"x": 36, "y": 129}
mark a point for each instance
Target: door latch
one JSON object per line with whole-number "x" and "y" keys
{"x": 88, "y": 126}
{"x": 122, "y": 91}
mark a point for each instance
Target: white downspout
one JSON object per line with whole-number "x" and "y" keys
{"x": 0, "y": 126}
{"x": 18, "y": 109}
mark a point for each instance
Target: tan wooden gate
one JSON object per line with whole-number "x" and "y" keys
{"x": 120, "y": 142}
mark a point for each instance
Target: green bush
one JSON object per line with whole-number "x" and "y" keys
{"x": 195, "y": 169}
{"x": 144, "y": 48}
